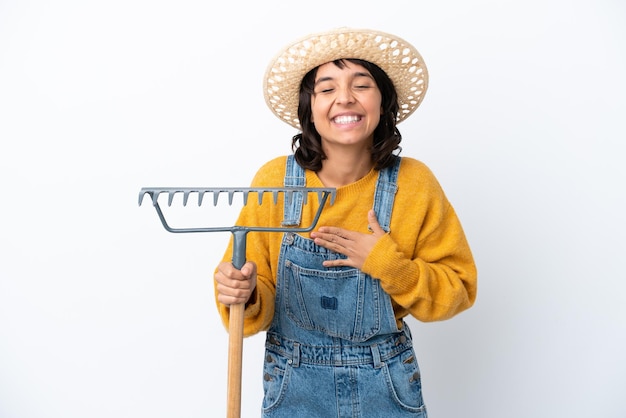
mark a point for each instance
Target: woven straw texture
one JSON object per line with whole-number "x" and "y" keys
{"x": 398, "y": 58}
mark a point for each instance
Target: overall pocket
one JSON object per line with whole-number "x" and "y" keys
{"x": 340, "y": 303}
{"x": 276, "y": 373}
{"x": 404, "y": 381}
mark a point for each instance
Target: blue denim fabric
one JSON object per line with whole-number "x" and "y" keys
{"x": 334, "y": 348}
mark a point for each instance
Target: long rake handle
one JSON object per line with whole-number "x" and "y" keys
{"x": 235, "y": 357}
{"x": 235, "y": 332}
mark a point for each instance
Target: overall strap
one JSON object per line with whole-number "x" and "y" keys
{"x": 386, "y": 188}
{"x": 294, "y": 177}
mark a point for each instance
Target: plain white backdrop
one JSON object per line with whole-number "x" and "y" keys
{"x": 105, "y": 314}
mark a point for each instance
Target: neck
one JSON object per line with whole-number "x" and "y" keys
{"x": 341, "y": 170}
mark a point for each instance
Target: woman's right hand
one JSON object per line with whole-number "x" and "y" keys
{"x": 235, "y": 286}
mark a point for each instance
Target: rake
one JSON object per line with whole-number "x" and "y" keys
{"x": 239, "y": 233}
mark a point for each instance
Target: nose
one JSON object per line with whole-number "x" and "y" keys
{"x": 345, "y": 94}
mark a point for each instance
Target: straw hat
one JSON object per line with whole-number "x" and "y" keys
{"x": 398, "y": 58}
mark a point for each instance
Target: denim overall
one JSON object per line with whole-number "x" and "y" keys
{"x": 334, "y": 348}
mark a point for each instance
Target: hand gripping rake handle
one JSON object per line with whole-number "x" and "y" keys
{"x": 236, "y": 317}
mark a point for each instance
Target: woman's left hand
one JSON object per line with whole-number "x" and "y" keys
{"x": 354, "y": 245}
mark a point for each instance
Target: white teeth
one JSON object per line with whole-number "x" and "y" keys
{"x": 347, "y": 119}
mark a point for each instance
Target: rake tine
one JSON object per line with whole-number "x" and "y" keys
{"x": 141, "y": 195}
{"x": 185, "y": 197}
{"x": 200, "y": 197}
{"x": 260, "y": 194}
{"x": 155, "y": 198}
{"x": 245, "y": 198}
{"x": 216, "y": 195}
{"x": 305, "y": 197}
{"x": 170, "y": 198}
{"x": 231, "y": 193}
{"x": 275, "y": 193}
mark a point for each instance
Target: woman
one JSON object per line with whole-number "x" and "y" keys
{"x": 391, "y": 245}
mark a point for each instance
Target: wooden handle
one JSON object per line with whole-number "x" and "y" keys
{"x": 235, "y": 357}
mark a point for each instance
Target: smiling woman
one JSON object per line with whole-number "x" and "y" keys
{"x": 104, "y": 314}
{"x": 333, "y": 302}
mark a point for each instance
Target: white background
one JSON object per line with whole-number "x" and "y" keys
{"x": 105, "y": 314}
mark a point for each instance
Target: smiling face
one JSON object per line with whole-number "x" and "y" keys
{"x": 345, "y": 105}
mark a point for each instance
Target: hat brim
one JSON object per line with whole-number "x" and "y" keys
{"x": 398, "y": 58}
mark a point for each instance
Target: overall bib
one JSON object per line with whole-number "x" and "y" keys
{"x": 334, "y": 348}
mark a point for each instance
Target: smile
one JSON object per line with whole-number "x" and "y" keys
{"x": 346, "y": 119}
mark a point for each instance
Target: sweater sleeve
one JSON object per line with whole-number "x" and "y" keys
{"x": 425, "y": 264}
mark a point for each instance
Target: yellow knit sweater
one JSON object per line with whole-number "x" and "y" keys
{"x": 424, "y": 263}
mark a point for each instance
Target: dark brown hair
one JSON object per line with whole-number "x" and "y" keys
{"x": 307, "y": 145}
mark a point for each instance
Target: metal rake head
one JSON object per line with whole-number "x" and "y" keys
{"x": 289, "y": 193}
{"x": 155, "y": 192}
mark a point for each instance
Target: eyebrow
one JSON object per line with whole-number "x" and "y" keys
{"x": 355, "y": 75}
